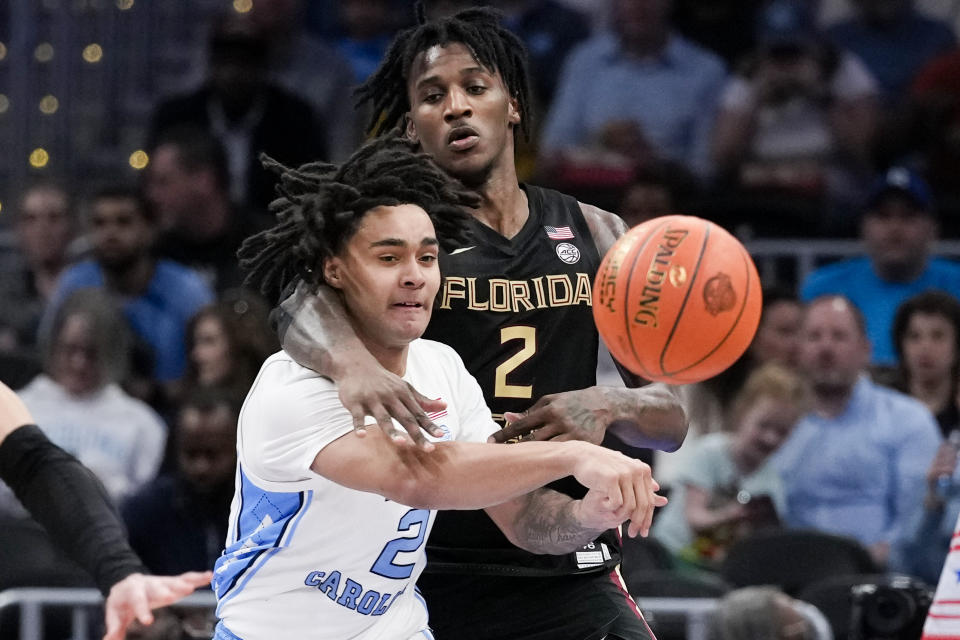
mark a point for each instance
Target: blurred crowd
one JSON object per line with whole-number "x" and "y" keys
{"x": 127, "y": 328}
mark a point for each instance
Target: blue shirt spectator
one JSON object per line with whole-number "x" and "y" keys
{"x": 877, "y": 298}
{"x": 860, "y": 473}
{"x": 550, "y": 30}
{"x": 894, "y": 41}
{"x": 159, "y": 315}
{"x": 899, "y": 228}
{"x": 670, "y": 96}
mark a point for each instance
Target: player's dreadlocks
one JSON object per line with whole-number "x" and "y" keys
{"x": 479, "y": 29}
{"x": 321, "y": 205}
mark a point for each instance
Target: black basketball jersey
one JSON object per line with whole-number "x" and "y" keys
{"x": 519, "y": 313}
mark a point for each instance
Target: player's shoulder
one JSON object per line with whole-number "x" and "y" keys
{"x": 605, "y": 226}
{"x": 281, "y": 376}
{"x": 425, "y": 349}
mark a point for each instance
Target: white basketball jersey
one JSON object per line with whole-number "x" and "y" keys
{"x": 306, "y": 557}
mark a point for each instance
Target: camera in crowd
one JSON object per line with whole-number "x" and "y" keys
{"x": 891, "y": 609}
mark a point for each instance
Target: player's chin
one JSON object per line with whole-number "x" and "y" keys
{"x": 410, "y": 329}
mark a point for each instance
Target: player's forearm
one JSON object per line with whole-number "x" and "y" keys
{"x": 315, "y": 331}
{"x": 648, "y": 417}
{"x": 463, "y": 475}
{"x": 71, "y": 504}
{"x": 548, "y": 523}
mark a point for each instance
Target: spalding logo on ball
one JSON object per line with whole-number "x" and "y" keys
{"x": 677, "y": 299}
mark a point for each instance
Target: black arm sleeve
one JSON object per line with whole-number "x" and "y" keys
{"x": 69, "y": 501}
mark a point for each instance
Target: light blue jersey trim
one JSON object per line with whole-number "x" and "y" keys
{"x": 270, "y": 520}
{"x": 222, "y": 633}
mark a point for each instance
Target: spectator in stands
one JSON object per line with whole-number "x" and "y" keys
{"x": 657, "y": 190}
{"x": 550, "y": 30}
{"x": 159, "y": 296}
{"x": 240, "y": 106}
{"x": 718, "y": 25}
{"x": 778, "y": 335}
{"x": 708, "y": 403}
{"x": 187, "y": 184}
{"x": 798, "y": 118}
{"x": 227, "y": 342}
{"x": 926, "y": 336}
{"x": 893, "y": 40}
{"x": 929, "y": 535}
{"x": 931, "y": 131}
{"x": 899, "y": 227}
{"x": 306, "y": 66}
{"x": 730, "y": 487}
{"x": 367, "y": 29}
{"x": 178, "y": 522}
{"x": 639, "y": 91}
{"x": 79, "y": 404}
{"x": 44, "y": 227}
{"x": 854, "y": 465}
{"x": 766, "y": 613}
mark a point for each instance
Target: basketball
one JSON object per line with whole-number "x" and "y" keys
{"x": 677, "y": 299}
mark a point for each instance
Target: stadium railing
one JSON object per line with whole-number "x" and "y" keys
{"x": 86, "y": 606}
{"x": 85, "y": 603}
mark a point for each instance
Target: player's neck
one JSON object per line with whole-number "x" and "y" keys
{"x": 503, "y": 207}
{"x": 391, "y": 357}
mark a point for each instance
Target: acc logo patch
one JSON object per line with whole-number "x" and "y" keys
{"x": 568, "y": 253}
{"x": 718, "y": 294}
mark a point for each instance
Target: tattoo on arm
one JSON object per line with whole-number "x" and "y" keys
{"x": 650, "y": 416}
{"x": 548, "y": 524}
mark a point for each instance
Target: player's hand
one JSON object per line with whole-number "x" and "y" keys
{"x": 368, "y": 389}
{"x": 572, "y": 415}
{"x": 135, "y": 596}
{"x": 624, "y": 488}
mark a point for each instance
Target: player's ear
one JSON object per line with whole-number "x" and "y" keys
{"x": 333, "y": 272}
{"x": 410, "y": 130}
{"x": 513, "y": 111}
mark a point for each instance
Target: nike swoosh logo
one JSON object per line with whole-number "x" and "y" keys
{"x": 461, "y": 250}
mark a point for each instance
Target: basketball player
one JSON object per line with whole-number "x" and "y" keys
{"x": 313, "y": 544}
{"x": 515, "y": 304}
{"x": 71, "y": 504}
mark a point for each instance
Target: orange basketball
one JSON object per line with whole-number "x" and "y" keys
{"x": 677, "y": 299}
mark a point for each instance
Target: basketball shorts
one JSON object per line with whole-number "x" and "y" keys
{"x": 572, "y": 607}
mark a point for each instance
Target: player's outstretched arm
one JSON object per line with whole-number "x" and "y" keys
{"x": 135, "y": 596}
{"x": 465, "y": 475}
{"x": 648, "y": 417}
{"x": 71, "y": 504}
{"x": 315, "y": 331}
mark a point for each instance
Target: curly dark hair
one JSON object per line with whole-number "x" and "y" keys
{"x": 479, "y": 29}
{"x": 321, "y": 205}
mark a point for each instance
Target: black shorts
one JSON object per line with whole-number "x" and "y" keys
{"x": 575, "y": 607}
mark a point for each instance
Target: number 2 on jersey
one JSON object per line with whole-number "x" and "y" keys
{"x": 529, "y": 336}
{"x": 384, "y": 565}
